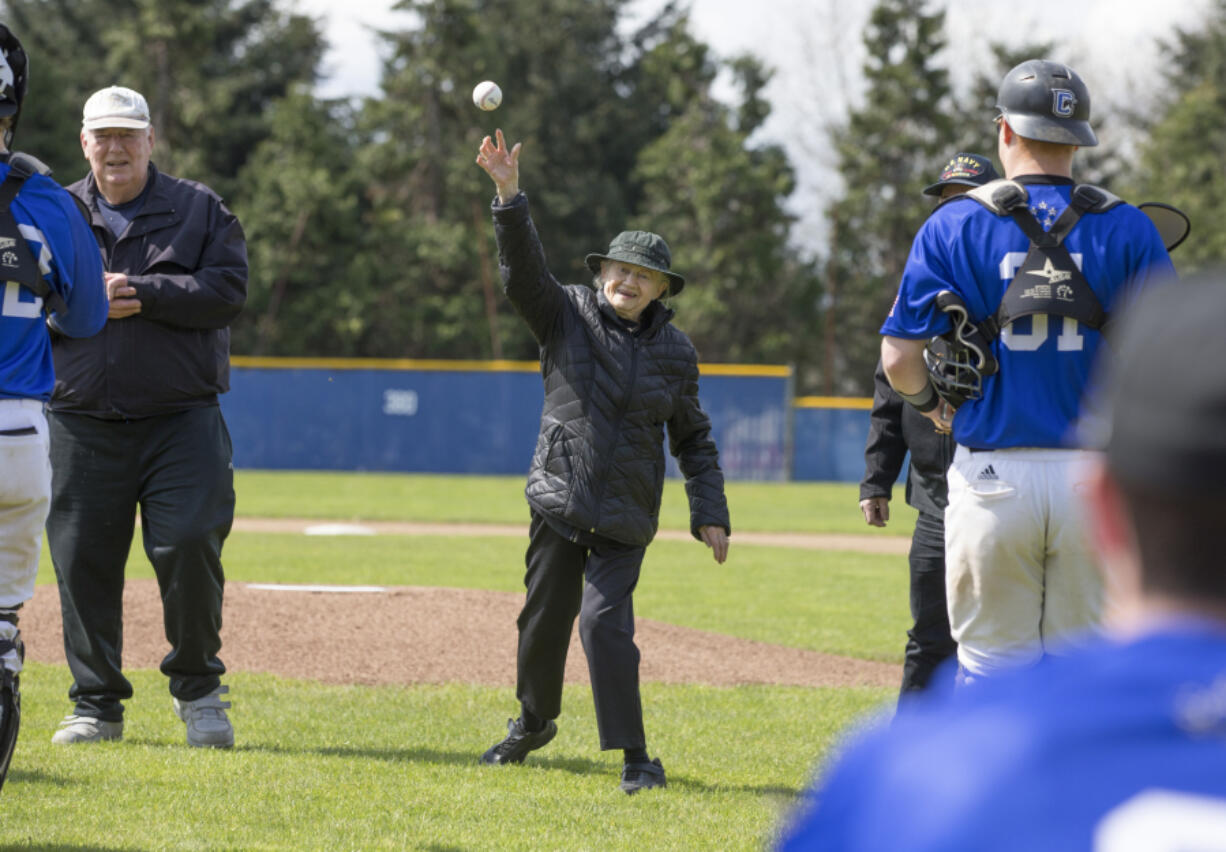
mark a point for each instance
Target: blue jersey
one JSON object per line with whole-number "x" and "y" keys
{"x": 1045, "y": 361}
{"x": 1118, "y": 738}
{"x": 68, "y": 257}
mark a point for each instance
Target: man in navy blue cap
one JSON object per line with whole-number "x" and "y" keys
{"x": 963, "y": 171}
{"x": 894, "y": 429}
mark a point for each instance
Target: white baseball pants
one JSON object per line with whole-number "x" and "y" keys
{"x": 25, "y": 496}
{"x": 1020, "y": 578}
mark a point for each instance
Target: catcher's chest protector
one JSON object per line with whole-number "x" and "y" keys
{"x": 16, "y": 261}
{"x": 1048, "y": 281}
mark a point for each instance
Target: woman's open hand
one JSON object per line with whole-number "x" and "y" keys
{"x": 501, "y": 165}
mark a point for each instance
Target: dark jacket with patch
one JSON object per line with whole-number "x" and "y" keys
{"x": 609, "y": 394}
{"x": 186, "y": 256}
{"x": 895, "y": 427}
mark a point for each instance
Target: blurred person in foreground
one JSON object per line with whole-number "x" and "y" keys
{"x": 616, "y": 374}
{"x": 52, "y": 277}
{"x": 135, "y": 422}
{"x": 1120, "y": 745}
{"x": 895, "y": 429}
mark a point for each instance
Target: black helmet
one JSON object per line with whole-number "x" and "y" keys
{"x": 14, "y": 77}
{"x": 1047, "y": 101}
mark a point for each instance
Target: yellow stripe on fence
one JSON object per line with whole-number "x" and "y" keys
{"x": 281, "y": 363}
{"x": 384, "y": 364}
{"x": 771, "y": 370}
{"x": 859, "y": 403}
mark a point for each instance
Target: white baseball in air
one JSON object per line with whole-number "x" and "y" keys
{"x": 487, "y": 95}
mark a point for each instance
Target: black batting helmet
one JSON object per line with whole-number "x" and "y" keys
{"x": 1047, "y": 101}
{"x": 14, "y": 77}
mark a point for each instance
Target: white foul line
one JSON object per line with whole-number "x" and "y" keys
{"x": 289, "y": 587}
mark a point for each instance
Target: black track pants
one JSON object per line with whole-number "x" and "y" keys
{"x": 564, "y": 580}
{"x": 928, "y": 641}
{"x": 177, "y": 468}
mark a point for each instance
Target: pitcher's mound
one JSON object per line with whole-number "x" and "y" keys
{"x": 412, "y": 634}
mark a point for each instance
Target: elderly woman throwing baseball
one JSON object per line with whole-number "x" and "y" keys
{"x": 616, "y": 374}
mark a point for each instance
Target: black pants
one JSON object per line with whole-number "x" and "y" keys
{"x": 557, "y": 592}
{"x": 177, "y": 468}
{"x": 928, "y": 641}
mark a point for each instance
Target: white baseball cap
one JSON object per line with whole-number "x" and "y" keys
{"x": 115, "y": 106}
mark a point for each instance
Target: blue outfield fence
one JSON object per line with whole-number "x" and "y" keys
{"x": 829, "y": 434}
{"x": 482, "y": 417}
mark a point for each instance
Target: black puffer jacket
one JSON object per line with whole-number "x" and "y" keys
{"x": 609, "y": 393}
{"x": 185, "y": 255}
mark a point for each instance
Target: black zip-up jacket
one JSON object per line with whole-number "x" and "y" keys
{"x": 598, "y": 467}
{"x": 895, "y": 427}
{"x": 186, "y": 256}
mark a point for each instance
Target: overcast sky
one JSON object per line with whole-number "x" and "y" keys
{"x": 1111, "y": 36}
{"x": 815, "y": 47}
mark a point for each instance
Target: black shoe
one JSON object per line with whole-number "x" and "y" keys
{"x": 642, "y": 776}
{"x": 519, "y": 742}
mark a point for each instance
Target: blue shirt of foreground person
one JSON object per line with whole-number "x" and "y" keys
{"x": 1120, "y": 746}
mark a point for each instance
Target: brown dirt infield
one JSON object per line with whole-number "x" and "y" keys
{"x": 411, "y": 635}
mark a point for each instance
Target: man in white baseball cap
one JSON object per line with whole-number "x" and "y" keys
{"x": 117, "y": 138}
{"x": 135, "y": 421}
{"x": 116, "y": 106}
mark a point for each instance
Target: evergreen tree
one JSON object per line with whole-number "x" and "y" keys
{"x": 975, "y": 108}
{"x": 886, "y": 153}
{"x": 1181, "y": 161}
{"x": 976, "y": 132}
{"x": 605, "y": 119}
{"x": 368, "y": 223}
{"x": 210, "y": 70}
{"x": 302, "y": 206}
{"x": 429, "y": 241}
{"x": 718, "y": 200}
{"x": 52, "y": 34}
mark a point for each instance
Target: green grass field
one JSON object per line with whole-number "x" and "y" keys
{"x": 331, "y": 767}
{"x": 812, "y": 507}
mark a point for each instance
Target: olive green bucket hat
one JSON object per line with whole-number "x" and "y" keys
{"x": 641, "y": 248}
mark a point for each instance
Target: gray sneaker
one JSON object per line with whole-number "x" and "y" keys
{"x": 206, "y": 720}
{"x": 86, "y": 729}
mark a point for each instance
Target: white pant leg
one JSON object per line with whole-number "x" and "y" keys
{"x": 25, "y": 498}
{"x": 1073, "y": 608}
{"x": 995, "y": 543}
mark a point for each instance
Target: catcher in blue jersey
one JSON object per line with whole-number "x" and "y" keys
{"x": 52, "y": 272}
{"x": 1121, "y": 744}
{"x": 1017, "y": 280}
